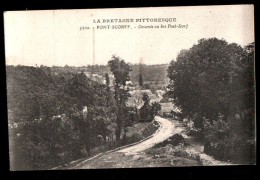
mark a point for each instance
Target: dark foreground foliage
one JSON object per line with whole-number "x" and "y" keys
{"x": 55, "y": 118}
{"x": 213, "y": 84}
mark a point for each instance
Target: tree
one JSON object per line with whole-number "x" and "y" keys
{"x": 145, "y": 98}
{"x": 213, "y": 84}
{"x": 40, "y": 102}
{"x": 156, "y": 107}
{"x": 121, "y": 70}
{"x": 107, "y": 80}
{"x": 140, "y": 80}
{"x": 200, "y": 77}
{"x": 146, "y": 113}
{"x": 107, "y": 89}
{"x": 79, "y": 86}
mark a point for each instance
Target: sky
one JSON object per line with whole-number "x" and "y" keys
{"x": 53, "y": 37}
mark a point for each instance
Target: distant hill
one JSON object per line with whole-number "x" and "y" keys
{"x": 150, "y": 73}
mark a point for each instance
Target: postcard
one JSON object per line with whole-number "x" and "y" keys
{"x": 131, "y": 87}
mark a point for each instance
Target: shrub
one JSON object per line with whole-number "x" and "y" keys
{"x": 149, "y": 129}
{"x": 216, "y": 137}
{"x": 198, "y": 121}
{"x": 135, "y": 137}
{"x": 224, "y": 142}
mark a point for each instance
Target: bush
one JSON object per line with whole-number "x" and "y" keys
{"x": 216, "y": 136}
{"x": 149, "y": 129}
{"x": 143, "y": 133}
{"x": 198, "y": 121}
{"x": 224, "y": 143}
{"x": 176, "y": 139}
{"x": 135, "y": 137}
{"x": 196, "y": 133}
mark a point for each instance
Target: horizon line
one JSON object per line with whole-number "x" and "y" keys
{"x": 36, "y": 65}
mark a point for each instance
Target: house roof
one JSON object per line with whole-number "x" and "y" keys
{"x": 140, "y": 105}
{"x": 168, "y": 104}
{"x": 168, "y": 107}
{"x": 149, "y": 92}
{"x": 128, "y": 82}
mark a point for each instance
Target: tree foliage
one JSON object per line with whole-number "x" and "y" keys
{"x": 156, "y": 107}
{"x": 214, "y": 77}
{"x": 120, "y": 70}
{"x": 140, "y": 79}
{"x": 48, "y": 112}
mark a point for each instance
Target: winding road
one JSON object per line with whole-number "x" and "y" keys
{"x": 135, "y": 155}
{"x": 165, "y": 130}
{"x": 122, "y": 157}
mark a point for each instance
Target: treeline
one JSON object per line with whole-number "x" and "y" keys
{"x": 213, "y": 84}
{"x": 156, "y": 73}
{"x": 56, "y": 118}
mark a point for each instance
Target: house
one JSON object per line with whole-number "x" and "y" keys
{"x": 169, "y": 110}
{"x": 143, "y": 109}
{"x": 88, "y": 74}
{"x": 129, "y": 83}
{"x": 160, "y": 93}
{"x": 147, "y": 91}
{"x": 154, "y": 98}
{"x": 166, "y": 109}
{"x": 176, "y": 113}
{"x": 130, "y": 88}
{"x": 97, "y": 79}
{"x": 137, "y": 95}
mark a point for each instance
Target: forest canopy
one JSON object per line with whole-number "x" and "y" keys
{"x": 213, "y": 84}
{"x": 58, "y": 118}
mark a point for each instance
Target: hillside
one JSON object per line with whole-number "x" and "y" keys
{"x": 46, "y": 120}
{"x": 151, "y": 74}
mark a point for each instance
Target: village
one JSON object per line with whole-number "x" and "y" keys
{"x": 156, "y": 93}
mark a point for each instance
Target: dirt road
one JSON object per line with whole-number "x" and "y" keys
{"x": 126, "y": 157}
{"x": 164, "y": 132}
{"x": 143, "y": 155}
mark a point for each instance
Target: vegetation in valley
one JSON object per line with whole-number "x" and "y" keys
{"x": 58, "y": 114}
{"x": 54, "y": 119}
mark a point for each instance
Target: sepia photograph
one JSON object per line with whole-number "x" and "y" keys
{"x": 130, "y": 87}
